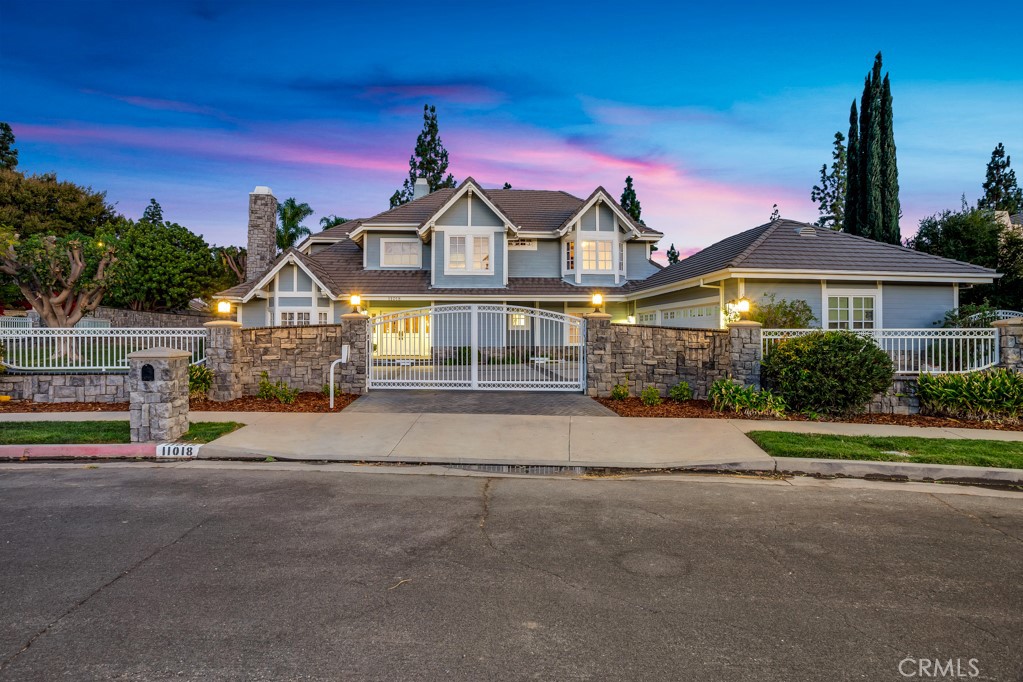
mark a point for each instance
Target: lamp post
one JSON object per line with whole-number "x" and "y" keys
{"x": 355, "y": 300}
{"x": 597, "y": 300}
{"x": 224, "y": 307}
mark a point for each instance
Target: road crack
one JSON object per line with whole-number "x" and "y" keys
{"x": 82, "y": 602}
{"x": 974, "y": 517}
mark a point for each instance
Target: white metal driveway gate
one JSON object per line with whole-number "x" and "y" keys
{"x": 477, "y": 347}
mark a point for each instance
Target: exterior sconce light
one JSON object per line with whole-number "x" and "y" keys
{"x": 223, "y": 307}
{"x": 597, "y": 300}
{"x": 743, "y": 305}
{"x": 356, "y": 301}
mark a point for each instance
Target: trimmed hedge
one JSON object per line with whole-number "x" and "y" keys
{"x": 829, "y": 372}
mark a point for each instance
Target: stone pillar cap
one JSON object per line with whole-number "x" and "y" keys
{"x": 1011, "y": 322}
{"x": 222, "y": 323}
{"x": 159, "y": 354}
{"x": 745, "y": 323}
{"x": 596, "y": 316}
{"x": 354, "y": 316}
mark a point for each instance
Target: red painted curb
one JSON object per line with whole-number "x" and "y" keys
{"x": 115, "y": 451}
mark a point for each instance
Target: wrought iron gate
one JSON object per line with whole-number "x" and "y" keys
{"x": 477, "y": 347}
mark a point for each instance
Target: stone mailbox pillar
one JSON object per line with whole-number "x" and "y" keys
{"x": 745, "y": 352}
{"x": 354, "y": 330}
{"x": 223, "y": 357}
{"x": 158, "y": 390}
{"x": 1010, "y": 342}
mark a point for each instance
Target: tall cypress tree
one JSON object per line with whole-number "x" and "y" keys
{"x": 872, "y": 150}
{"x": 852, "y": 187}
{"x": 861, "y": 200}
{"x": 429, "y": 160}
{"x": 891, "y": 210}
{"x": 1001, "y": 193}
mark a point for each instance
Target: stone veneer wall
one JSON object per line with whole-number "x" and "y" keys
{"x": 262, "y": 236}
{"x": 900, "y": 398}
{"x": 663, "y": 356}
{"x": 140, "y": 319}
{"x": 66, "y": 388}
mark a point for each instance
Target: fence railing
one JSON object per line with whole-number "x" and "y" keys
{"x": 24, "y": 322}
{"x": 97, "y": 350}
{"x": 993, "y": 316}
{"x": 919, "y": 351}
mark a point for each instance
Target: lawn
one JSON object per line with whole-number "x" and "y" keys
{"x": 97, "y": 432}
{"x": 967, "y": 452}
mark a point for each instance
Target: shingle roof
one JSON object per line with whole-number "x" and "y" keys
{"x": 780, "y": 245}
{"x": 339, "y": 231}
{"x": 1016, "y": 219}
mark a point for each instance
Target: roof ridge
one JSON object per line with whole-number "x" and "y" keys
{"x": 900, "y": 247}
{"x": 771, "y": 227}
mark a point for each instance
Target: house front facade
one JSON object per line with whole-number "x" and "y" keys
{"x": 550, "y": 251}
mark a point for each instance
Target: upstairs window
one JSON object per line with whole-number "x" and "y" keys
{"x": 399, "y": 253}
{"x": 469, "y": 254}
{"x": 598, "y": 255}
{"x": 481, "y": 254}
{"x": 570, "y": 255}
{"x": 456, "y": 253}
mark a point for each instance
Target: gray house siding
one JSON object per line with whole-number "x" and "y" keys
{"x": 759, "y": 291}
{"x": 636, "y": 263}
{"x": 915, "y": 306}
{"x": 544, "y": 262}
{"x": 254, "y": 313}
{"x": 372, "y": 247}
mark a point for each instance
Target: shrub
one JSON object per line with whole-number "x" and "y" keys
{"x": 200, "y": 381}
{"x": 995, "y": 394}
{"x": 834, "y": 372}
{"x": 650, "y": 396}
{"x": 970, "y": 315}
{"x": 279, "y": 390}
{"x": 619, "y": 392}
{"x": 782, "y": 314}
{"x": 727, "y": 395}
{"x": 680, "y": 392}
{"x": 326, "y": 389}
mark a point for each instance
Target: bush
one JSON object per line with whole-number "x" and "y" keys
{"x": 995, "y": 394}
{"x": 680, "y": 392}
{"x": 650, "y": 396}
{"x": 619, "y": 392}
{"x": 200, "y": 381}
{"x": 727, "y": 395}
{"x": 279, "y": 391}
{"x": 782, "y": 314}
{"x": 835, "y": 372}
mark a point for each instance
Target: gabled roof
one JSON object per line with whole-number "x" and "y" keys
{"x": 312, "y": 266}
{"x": 788, "y": 245}
{"x": 616, "y": 207}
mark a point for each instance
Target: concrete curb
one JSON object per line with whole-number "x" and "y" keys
{"x": 897, "y": 470}
{"x": 159, "y": 451}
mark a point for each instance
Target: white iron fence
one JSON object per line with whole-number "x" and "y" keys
{"x": 987, "y": 318}
{"x": 91, "y": 349}
{"x": 919, "y": 351}
{"x": 25, "y": 322}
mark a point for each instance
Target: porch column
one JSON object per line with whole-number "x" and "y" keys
{"x": 745, "y": 352}
{"x": 223, "y": 357}
{"x": 354, "y": 330}
{"x": 1010, "y": 342}
{"x": 598, "y": 351}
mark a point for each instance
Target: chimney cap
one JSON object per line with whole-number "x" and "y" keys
{"x": 422, "y": 181}
{"x": 262, "y": 189}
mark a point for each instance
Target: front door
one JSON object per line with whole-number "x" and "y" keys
{"x": 405, "y": 336}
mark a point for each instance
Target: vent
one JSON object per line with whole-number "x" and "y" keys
{"x": 807, "y": 231}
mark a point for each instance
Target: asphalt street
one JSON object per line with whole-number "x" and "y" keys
{"x": 144, "y": 573}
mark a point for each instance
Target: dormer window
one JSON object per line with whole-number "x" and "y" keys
{"x": 399, "y": 253}
{"x": 598, "y": 255}
{"x": 469, "y": 254}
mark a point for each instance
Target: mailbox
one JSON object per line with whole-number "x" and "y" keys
{"x": 147, "y": 373}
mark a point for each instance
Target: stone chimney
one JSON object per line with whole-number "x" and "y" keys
{"x": 262, "y": 246}
{"x": 421, "y": 189}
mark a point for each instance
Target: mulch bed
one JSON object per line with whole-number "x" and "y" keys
{"x": 305, "y": 402}
{"x": 701, "y": 409}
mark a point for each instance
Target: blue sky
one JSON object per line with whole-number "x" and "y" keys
{"x": 717, "y": 110}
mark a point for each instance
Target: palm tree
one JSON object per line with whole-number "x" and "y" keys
{"x": 329, "y": 221}
{"x": 290, "y": 228}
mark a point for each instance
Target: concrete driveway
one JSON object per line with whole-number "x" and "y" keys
{"x": 547, "y": 403}
{"x": 197, "y": 573}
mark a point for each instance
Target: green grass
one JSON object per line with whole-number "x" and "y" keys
{"x": 104, "y": 432}
{"x": 985, "y": 453}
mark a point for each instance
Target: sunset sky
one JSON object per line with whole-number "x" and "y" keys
{"x": 718, "y": 110}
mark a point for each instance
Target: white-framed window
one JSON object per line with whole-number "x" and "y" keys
{"x": 400, "y": 253}
{"x": 850, "y": 311}
{"x": 522, "y": 245}
{"x": 647, "y": 318}
{"x": 321, "y": 317}
{"x": 471, "y": 254}
{"x": 518, "y": 321}
{"x": 294, "y": 318}
{"x": 570, "y": 255}
{"x": 621, "y": 256}
{"x": 598, "y": 255}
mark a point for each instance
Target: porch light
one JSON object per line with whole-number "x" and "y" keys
{"x": 742, "y": 305}
{"x": 597, "y": 300}
{"x": 223, "y": 307}
{"x": 356, "y": 301}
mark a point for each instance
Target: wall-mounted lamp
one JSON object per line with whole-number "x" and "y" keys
{"x": 597, "y": 300}
{"x": 356, "y": 301}
{"x": 223, "y": 307}
{"x": 631, "y": 319}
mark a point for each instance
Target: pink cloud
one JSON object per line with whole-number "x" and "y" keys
{"x": 161, "y": 104}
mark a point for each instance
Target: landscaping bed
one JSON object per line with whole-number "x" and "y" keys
{"x": 950, "y": 451}
{"x": 304, "y": 402}
{"x": 701, "y": 409}
{"x": 98, "y": 432}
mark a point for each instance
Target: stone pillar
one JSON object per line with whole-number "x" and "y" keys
{"x": 354, "y": 330}
{"x": 599, "y": 354}
{"x": 745, "y": 352}
{"x": 262, "y": 248}
{"x": 223, "y": 357}
{"x": 158, "y": 391}
{"x": 1010, "y": 343}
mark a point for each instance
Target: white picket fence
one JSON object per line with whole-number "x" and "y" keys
{"x": 919, "y": 351}
{"x": 91, "y": 349}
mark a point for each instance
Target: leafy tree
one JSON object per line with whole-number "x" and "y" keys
{"x": 63, "y": 278}
{"x": 782, "y": 314}
{"x": 429, "y": 160}
{"x": 630, "y": 202}
{"x": 231, "y": 266}
{"x": 1001, "y": 193}
{"x": 507, "y": 185}
{"x": 329, "y": 221}
{"x": 830, "y": 194}
{"x": 290, "y": 229}
{"x": 851, "y": 211}
{"x": 976, "y": 236}
{"x": 42, "y": 205}
{"x": 164, "y": 266}
{"x": 8, "y": 154}
{"x": 673, "y": 255}
{"x": 775, "y": 213}
{"x": 153, "y": 212}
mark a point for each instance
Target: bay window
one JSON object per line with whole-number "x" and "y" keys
{"x": 598, "y": 255}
